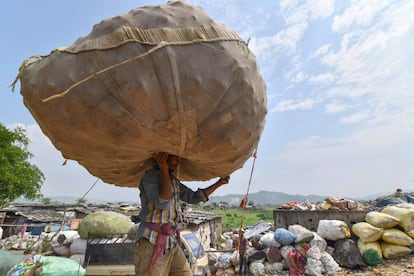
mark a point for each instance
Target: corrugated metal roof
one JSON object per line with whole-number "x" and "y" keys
{"x": 43, "y": 215}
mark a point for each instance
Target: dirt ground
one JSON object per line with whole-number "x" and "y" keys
{"x": 398, "y": 267}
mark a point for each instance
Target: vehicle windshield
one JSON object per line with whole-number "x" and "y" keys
{"x": 195, "y": 245}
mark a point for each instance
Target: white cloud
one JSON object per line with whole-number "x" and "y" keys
{"x": 373, "y": 53}
{"x": 355, "y": 118}
{"x": 372, "y": 66}
{"x": 374, "y": 74}
{"x": 297, "y": 19}
{"x": 294, "y": 11}
{"x": 347, "y": 91}
{"x": 335, "y": 107}
{"x": 359, "y": 13}
{"x": 322, "y": 50}
{"x": 297, "y": 77}
{"x": 290, "y": 105}
{"x": 370, "y": 160}
{"x": 320, "y": 8}
{"x": 322, "y": 79}
{"x": 281, "y": 44}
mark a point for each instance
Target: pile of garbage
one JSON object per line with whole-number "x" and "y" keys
{"x": 346, "y": 204}
{"x": 399, "y": 197}
{"x": 330, "y": 203}
{"x": 387, "y": 234}
{"x": 295, "y": 250}
{"x": 270, "y": 250}
{"x": 34, "y": 249}
{"x": 68, "y": 248}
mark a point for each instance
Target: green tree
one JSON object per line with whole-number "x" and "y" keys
{"x": 46, "y": 200}
{"x": 18, "y": 177}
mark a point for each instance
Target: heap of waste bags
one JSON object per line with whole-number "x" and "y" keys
{"x": 330, "y": 203}
{"x": 385, "y": 234}
{"x": 68, "y": 247}
{"x": 295, "y": 250}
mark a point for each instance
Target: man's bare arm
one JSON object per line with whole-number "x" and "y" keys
{"x": 210, "y": 189}
{"x": 166, "y": 186}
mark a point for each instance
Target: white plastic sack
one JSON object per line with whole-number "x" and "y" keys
{"x": 267, "y": 240}
{"x": 314, "y": 267}
{"x": 302, "y": 234}
{"x": 314, "y": 253}
{"x": 256, "y": 268}
{"x": 80, "y": 258}
{"x": 331, "y": 266}
{"x": 274, "y": 268}
{"x": 333, "y": 230}
{"x": 224, "y": 260}
{"x": 61, "y": 249}
{"x": 78, "y": 246}
{"x": 318, "y": 241}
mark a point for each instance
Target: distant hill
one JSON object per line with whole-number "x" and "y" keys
{"x": 266, "y": 197}
{"x": 259, "y": 198}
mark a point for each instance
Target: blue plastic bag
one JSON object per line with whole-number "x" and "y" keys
{"x": 284, "y": 236}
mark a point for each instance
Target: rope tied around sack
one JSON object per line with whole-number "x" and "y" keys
{"x": 160, "y": 37}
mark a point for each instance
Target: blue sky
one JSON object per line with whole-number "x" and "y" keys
{"x": 339, "y": 75}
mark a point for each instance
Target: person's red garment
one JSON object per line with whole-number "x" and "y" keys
{"x": 164, "y": 231}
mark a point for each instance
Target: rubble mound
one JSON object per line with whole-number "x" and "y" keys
{"x": 158, "y": 78}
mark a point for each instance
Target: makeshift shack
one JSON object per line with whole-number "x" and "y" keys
{"x": 35, "y": 218}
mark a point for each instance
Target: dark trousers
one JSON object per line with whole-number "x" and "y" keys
{"x": 243, "y": 267}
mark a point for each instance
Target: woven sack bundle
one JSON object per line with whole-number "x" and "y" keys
{"x": 158, "y": 78}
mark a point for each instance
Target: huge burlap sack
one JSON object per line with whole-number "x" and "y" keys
{"x": 159, "y": 78}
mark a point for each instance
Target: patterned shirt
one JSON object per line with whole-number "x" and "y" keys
{"x": 161, "y": 211}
